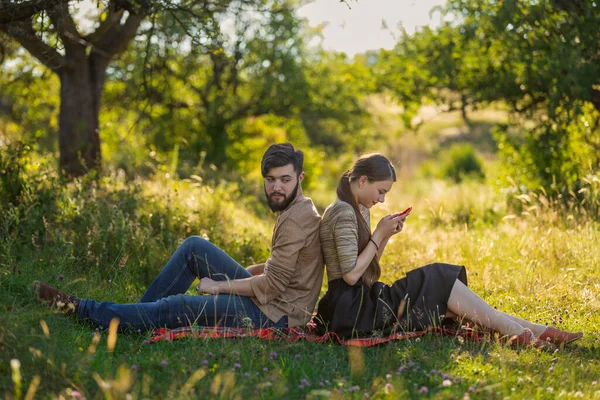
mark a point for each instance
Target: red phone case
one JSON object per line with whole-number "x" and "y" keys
{"x": 403, "y": 212}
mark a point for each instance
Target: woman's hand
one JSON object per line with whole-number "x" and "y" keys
{"x": 389, "y": 226}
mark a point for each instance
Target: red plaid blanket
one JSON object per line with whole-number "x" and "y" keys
{"x": 296, "y": 334}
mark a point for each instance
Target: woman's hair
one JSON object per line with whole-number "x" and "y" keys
{"x": 376, "y": 167}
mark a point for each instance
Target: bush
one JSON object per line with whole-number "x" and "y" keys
{"x": 459, "y": 162}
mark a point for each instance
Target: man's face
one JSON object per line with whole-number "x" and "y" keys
{"x": 281, "y": 186}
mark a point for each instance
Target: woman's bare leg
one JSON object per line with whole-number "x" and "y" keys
{"x": 537, "y": 329}
{"x": 464, "y": 303}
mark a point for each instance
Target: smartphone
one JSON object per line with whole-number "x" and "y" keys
{"x": 405, "y": 212}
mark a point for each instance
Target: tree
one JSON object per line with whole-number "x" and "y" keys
{"x": 49, "y": 31}
{"x": 80, "y": 61}
{"x": 538, "y": 57}
{"x": 250, "y": 65}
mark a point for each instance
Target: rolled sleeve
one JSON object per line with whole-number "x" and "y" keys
{"x": 345, "y": 235}
{"x": 280, "y": 267}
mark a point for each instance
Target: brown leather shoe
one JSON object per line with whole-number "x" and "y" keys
{"x": 558, "y": 337}
{"x": 54, "y": 297}
{"x": 528, "y": 339}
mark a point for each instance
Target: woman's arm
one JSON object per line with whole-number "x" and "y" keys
{"x": 385, "y": 228}
{"x": 400, "y": 226}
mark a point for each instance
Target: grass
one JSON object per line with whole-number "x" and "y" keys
{"x": 108, "y": 239}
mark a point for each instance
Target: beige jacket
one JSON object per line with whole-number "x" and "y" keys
{"x": 293, "y": 274}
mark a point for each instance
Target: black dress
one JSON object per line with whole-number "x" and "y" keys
{"x": 415, "y": 302}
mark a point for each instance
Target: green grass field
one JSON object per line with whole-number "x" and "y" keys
{"x": 108, "y": 243}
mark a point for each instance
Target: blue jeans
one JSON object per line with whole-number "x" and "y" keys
{"x": 165, "y": 305}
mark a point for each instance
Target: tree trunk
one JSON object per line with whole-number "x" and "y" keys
{"x": 78, "y": 137}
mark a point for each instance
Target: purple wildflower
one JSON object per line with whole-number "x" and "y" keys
{"x": 146, "y": 342}
{"x": 273, "y": 355}
{"x": 424, "y": 390}
{"x": 164, "y": 362}
{"x": 204, "y": 362}
{"x": 265, "y": 369}
{"x": 61, "y": 277}
{"x": 297, "y": 356}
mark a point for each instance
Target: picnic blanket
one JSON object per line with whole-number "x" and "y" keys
{"x": 307, "y": 333}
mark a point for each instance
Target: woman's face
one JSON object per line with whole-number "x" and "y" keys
{"x": 371, "y": 193}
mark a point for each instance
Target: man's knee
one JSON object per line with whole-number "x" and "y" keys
{"x": 197, "y": 243}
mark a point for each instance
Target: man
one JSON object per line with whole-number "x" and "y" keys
{"x": 282, "y": 292}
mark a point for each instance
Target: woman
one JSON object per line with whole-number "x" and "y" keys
{"x": 356, "y": 304}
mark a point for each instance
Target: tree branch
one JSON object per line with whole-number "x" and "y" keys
{"x": 116, "y": 39}
{"x": 23, "y": 32}
{"x": 65, "y": 27}
{"x": 11, "y": 12}
{"x": 112, "y": 19}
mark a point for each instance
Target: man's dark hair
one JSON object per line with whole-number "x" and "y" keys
{"x": 279, "y": 155}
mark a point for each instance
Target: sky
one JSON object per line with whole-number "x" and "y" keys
{"x": 356, "y": 26}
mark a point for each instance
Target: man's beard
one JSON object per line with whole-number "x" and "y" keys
{"x": 275, "y": 206}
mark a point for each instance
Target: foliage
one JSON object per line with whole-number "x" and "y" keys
{"x": 67, "y": 235}
{"x": 539, "y": 58}
{"x": 460, "y": 161}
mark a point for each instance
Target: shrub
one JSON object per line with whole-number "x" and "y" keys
{"x": 459, "y": 162}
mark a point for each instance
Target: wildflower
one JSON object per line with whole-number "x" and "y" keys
{"x": 183, "y": 358}
{"x": 211, "y": 354}
{"x": 273, "y": 355}
{"x": 550, "y": 369}
{"x": 134, "y": 368}
{"x": 471, "y": 389}
{"x": 423, "y": 390}
{"x": 204, "y": 362}
{"x": 305, "y": 382}
{"x": 61, "y": 277}
{"x": 355, "y": 388}
{"x": 297, "y": 356}
{"x": 163, "y": 362}
{"x": 301, "y": 387}
{"x": 110, "y": 281}
{"x": 146, "y": 342}
{"x": 594, "y": 383}
{"x": 447, "y": 382}
{"x": 265, "y": 369}
{"x": 446, "y": 376}
{"x": 388, "y": 376}
{"x": 246, "y": 374}
{"x": 388, "y": 388}
{"x": 237, "y": 365}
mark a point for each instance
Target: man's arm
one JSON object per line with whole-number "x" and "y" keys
{"x": 241, "y": 287}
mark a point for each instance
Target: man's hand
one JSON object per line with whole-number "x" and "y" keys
{"x": 208, "y": 286}
{"x": 257, "y": 269}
